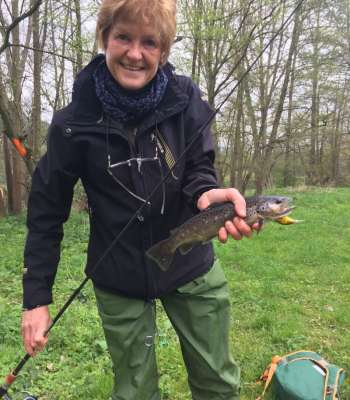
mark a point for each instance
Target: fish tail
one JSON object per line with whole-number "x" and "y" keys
{"x": 162, "y": 253}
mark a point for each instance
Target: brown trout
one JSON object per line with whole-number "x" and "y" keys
{"x": 205, "y": 226}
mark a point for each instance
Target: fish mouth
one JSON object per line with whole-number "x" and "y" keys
{"x": 276, "y": 207}
{"x": 282, "y": 213}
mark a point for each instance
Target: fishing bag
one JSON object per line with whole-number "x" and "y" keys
{"x": 303, "y": 375}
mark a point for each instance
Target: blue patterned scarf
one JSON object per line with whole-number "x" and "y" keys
{"x": 128, "y": 106}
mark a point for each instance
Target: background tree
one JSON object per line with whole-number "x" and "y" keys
{"x": 287, "y": 123}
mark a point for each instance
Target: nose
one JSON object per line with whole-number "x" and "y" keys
{"x": 135, "y": 51}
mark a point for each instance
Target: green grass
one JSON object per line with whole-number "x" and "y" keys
{"x": 289, "y": 291}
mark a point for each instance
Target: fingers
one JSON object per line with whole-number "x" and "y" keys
{"x": 223, "y": 236}
{"x": 222, "y": 195}
{"x": 27, "y": 338}
{"x": 203, "y": 201}
{"x": 34, "y": 341}
{"x": 257, "y": 226}
{"x": 34, "y": 325}
{"x": 239, "y": 201}
{"x": 39, "y": 341}
{"x": 237, "y": 229}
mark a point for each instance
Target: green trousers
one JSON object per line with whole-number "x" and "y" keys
{"x": 200, "y": 313}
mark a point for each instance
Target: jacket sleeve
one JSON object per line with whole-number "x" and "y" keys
{"x": 200, "y": 172}
{"x": 49, "y": 206}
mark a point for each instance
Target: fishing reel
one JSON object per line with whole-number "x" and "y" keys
{"x": 29, "y": 397}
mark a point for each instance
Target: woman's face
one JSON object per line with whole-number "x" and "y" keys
{"x": 133, "y": 54}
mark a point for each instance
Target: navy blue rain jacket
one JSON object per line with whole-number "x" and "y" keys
{"x": 82, "y": 143}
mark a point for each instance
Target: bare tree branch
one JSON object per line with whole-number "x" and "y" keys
{"x": 15, "y": 22}
{"x": 52, "y": 53}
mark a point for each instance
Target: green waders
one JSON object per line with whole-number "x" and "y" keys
{"x": 200, "y": 314}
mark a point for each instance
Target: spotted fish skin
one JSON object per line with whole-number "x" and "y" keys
{"x": 205, "y": 226}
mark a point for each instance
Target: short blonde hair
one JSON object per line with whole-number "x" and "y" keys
{"x": 160, "y": 13}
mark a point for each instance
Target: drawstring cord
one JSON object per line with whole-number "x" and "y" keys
{"x": 127, "y": 162}
{"x": 161, "y": 169}
{"x": 139, "y": 161}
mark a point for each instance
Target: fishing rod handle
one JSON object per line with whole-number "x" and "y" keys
{"x": 4, "y": 395}
{"x": 4, "y": 388}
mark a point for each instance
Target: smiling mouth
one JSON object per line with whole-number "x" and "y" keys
{"x": 132, "y": 68}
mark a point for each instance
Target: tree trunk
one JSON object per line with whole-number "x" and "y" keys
{"x": 36, "y": 104}
{"x": 17, "y": 182}
{"x": 236, "y": 171}
{"x": 288, "y": 178}
{"x": 265, "y": 169}
{"x": 313, "y": 175}
{"x": 78, "y": 39}
{"x": 16, "y": 80}
{"x": 2, "y": 203}
{"x": 336, "y": 141}
{"x": 8, "y": 173}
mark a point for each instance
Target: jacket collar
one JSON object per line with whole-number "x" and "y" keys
{"x": 87, "y": 109}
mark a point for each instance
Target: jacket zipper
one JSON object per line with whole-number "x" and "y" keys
{"x": 134, "y": 151}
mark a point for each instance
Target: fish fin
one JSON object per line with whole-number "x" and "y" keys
{"x": 286, "y": 220}
{"x": 162, "y": 254}
{"x": 185, "y": 248}
{"x": 261, "y": 223}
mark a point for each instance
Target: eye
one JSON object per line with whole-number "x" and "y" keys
{"x": 150, "y": 43}
{"x": 263, "y": 207}
{"x": 122, "y": 37}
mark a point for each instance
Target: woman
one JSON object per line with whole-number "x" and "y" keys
{"x": 130, "y": 119}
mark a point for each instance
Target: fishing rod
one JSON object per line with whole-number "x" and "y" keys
{"x": 11, "y": 377}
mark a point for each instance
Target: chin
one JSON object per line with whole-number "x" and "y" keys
{"x": 132, "y": 86}
{"x": 130, "y": 82}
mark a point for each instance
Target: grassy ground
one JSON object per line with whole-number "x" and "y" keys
{"x": 289, "y": 289}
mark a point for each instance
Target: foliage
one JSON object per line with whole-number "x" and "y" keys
{"x": 289, "y": 287}
{"x": 304, "y": 125}
{"x": 288, "y": 117}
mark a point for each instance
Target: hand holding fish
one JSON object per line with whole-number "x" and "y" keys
{"x": 206, "y": 225}
{"x": 237, "y": 227}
